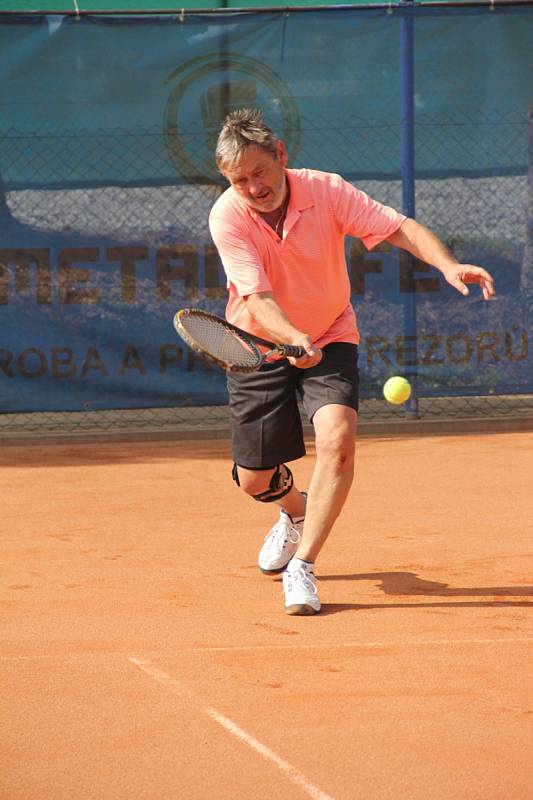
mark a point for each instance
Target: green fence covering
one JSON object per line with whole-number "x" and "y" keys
{"x": 107, "y": 129}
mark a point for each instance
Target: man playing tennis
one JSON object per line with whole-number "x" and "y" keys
{"x": 280, "y": 235}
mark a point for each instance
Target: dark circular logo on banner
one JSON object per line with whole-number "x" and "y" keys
{"x": 208, "y": 88}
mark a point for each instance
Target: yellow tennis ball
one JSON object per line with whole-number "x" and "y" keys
{"x": 397, "y": 390}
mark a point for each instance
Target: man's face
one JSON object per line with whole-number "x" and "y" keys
{"x": 259, "y": 178}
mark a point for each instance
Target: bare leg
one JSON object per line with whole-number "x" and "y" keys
{"x": 335, "y": 430}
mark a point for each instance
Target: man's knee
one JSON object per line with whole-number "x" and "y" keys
{"x": 338, "y": 448}
{"x": 262, "y": 486}
{"x": 335, "y": 433}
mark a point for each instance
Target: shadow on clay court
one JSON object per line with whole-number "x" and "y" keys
{"x": 84, "y": 454}
{"x": 402, "y": 584}
{"x": 336, "y": 608}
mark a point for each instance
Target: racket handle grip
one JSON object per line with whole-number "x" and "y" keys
{"x": 293, "y": 350}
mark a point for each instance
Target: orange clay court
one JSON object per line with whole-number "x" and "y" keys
{"x": 145, "y": 656}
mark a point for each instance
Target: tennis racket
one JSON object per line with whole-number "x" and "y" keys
{"x": 230, "y": 347}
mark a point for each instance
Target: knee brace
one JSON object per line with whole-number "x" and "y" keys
{"x": 280, "y": 484}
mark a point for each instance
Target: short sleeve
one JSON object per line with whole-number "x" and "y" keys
{"x": 362, "y": 217}
{"x": 240, "y": 257}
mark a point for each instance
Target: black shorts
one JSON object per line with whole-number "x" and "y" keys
{"x": 266, "y": 426}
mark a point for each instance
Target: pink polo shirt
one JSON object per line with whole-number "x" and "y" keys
{"x": 306, "y": 270}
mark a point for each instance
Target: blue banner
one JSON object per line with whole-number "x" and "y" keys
{"x": 107, "y": 131}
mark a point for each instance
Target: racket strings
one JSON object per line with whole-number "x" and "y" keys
{"x": 222, "y": 343}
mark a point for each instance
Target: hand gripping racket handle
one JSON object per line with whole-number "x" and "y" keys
{"x": 292, "y": 350}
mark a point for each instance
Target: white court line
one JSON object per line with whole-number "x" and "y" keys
{"x": 290, "y": 772}
{"x": 352, "y": 645}
{"x": 28, "y": 658}
{"x": 321, "y": 646}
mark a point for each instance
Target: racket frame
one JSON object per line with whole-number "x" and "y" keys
{"x": 250, "y": 341}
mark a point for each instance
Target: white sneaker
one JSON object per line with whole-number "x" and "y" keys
{"x": 281, "y": 543}
{"x": 299, "y": 586}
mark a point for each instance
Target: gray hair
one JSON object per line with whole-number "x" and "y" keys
{"x": 241, "y": 129}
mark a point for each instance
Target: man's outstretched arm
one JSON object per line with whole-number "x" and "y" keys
{"x": 426, "y": 246}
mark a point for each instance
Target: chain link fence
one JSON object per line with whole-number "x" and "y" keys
{"x": 457, "y": 414}
{"x": 483, "y": 213}
{"x": 486, "y": 214}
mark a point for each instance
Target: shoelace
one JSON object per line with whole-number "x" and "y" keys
{"x": 301, "y": 575}
{"x": 282, "y": 534}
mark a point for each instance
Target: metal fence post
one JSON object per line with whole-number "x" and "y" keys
{"x": 407, "y": 144}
